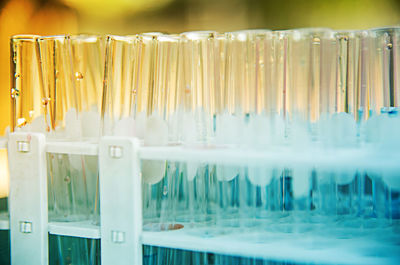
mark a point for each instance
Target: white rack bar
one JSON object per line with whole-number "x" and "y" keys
{"x": 84, "y": 229}
{"x": 28, "y": 198}
{"x": 120, "y": 201}
{"x": 4, "y": 221}
{"x": 73, "y": 148}
{"x": 4, "y": 216}
{"x": 277, "y": 246}
{"x": 366, "y": 158}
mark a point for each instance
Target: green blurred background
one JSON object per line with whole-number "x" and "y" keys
{"x": 48, "y": 17}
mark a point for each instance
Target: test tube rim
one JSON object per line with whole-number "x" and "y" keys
{"x": 199, "y": 35}
{"x": 120, "y": 38}
{"x": 251, "y": 34}
{"x": 53, "y": 38}
{"x": 24, "y": 37}
{"x": 86, "y": 38}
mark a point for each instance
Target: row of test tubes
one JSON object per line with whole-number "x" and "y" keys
{"x": 253, "y": 89}
{"x": 208, "y": 87}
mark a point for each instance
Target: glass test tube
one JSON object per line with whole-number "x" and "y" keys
{"x": 59, "y": 89}
{"x": 87, "y": 53}
{"x": 384, "y": 123}
{"x": 201, "y": 62}
{"x": 310, "y": 83}
{"x": 385, "y": 84}
{"x": 59, "y": 98}
{"x": 309, "y": 75}
{"x": 197, "y": 81}
{"x": 343, "y": 127}
{"x": 158, "y": 55}
{"x": 119, "y": 94}
{"x": 144, "y": 76}
{"x": 247, "y": 81}
{"x": 69, "y": 77}
{"x": 27, "y": 111}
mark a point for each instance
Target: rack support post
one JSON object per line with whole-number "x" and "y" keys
{"x": 28, "y": 198}
{"x": 120, "y": 201}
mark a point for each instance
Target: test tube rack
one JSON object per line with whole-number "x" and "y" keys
{"x": 121, "y": 231}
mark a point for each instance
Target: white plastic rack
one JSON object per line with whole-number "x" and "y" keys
{"x": 4, "y": 219}
{"x": 121, "y": 232}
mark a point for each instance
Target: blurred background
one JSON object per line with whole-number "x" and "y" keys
{"x": 49, "y": 17}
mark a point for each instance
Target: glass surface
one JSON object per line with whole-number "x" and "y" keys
{"x": 87, "y": 53}
{"x": 26, "y": 88}
{"x": 383, "y": 49}
{"x": 119, "y": 94}
{"x": 201, "y": 69}
{"x": 73, "y": 250}
{"x": 59, "y": 94}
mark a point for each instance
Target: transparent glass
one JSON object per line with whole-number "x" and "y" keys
{"x": 309, "y": 81}
{"x": 251, "y": 112}
{"x": 69, "y": 186}
{"x": 201, "y": 69}
{"x": 160, "y": 197}
{"x": 119, "y": 93}
{"x": 27, "y": 110}
{"x": 87, "y": 53}
{"x": 384, "y": 120}
{"x": 348, "y": 44}
{"x": 71, "y": 70}
{"x": 157, "y": 85}
{"x": 165, "y": 96}
{"x": 384, "y": 45}
{"x": 59, "y": 93}
{"x": 73, "y": 250}
{"x": 249, "y": 73}
{"x": 144, "y": 80}
{"x": 250, "y": 108}
{"x": 363, "y": 84}
{"x": 156, "y": 191}
{"x": 159, "y": 55}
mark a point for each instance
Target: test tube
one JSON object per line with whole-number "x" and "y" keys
{"x": 389, "y": 38}
{"x": 310, "y": 81}
{"x": 163, "y": 89}
{"x": 198, "y": 79}
{"x": 165, "y": 98}
{"x": 59, "y": 94}
{"x": 309, "y": 86}
{"x": 162, "y": 180}
{"x": 159, "y": 55}
{"x": 385, "y": 84}
{"x": 58, "y": 99}
{"x": 199, "y": 50}
{"x": 384, "y": 92}
{"x": 247, "y": 103}
{"x": 87, "y": 53}
{"x": 128, "y": 84}
{"x": 153, "y": 172}
{"x": 28, "y": 113}
{"x": 343, "y": 127}
{"x": 119, "y": 94}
